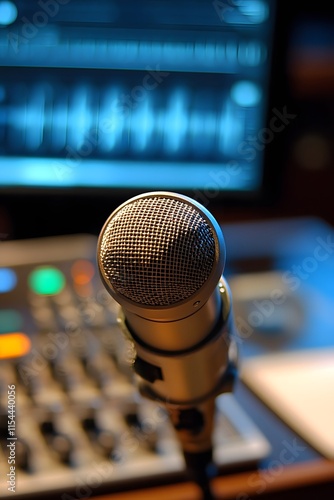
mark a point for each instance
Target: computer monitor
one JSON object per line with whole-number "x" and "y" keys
{"x": 122, "y": 97}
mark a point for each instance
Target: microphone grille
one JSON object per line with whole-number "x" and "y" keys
{"x": 157, "y": 250}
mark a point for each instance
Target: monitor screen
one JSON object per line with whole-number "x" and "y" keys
{"x": 134, "y": 96}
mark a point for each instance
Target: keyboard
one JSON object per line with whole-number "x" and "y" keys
{"x": 72, "y": 423}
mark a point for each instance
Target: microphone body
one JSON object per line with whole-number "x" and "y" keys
{"x": 188, "y": 379}
{"x": 161, "y": 256}
{"x": 191, "y": 371}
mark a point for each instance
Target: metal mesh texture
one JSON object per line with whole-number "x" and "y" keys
{"x": 157, "y": 251}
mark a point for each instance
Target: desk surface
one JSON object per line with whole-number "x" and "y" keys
{"x": 317, "y": 475}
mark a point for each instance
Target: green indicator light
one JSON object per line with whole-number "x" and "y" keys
{"x": 10, "y": 321}
{"x": 46, "y": 281}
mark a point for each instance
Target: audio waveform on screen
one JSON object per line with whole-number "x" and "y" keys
{"x": 118, "y": 121}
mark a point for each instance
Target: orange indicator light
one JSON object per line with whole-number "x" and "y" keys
{"x": 14, "y": 345}
{"x": 82, "y": 272}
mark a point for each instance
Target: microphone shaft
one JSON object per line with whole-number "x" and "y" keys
{"x": 183, "y": 376}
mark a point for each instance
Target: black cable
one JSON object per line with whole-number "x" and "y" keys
{"x": 206, "y": 490}
{"x": 201, "y": 470}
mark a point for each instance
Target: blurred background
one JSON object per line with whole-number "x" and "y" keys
{"x": 229, "y": 102}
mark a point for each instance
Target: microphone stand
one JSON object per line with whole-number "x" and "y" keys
{"x": 201, "y": 470}
{"x": 194, "y": 428}
{"x": 193, "y": 425}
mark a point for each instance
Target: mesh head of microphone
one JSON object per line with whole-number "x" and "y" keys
{"x": 157, "y": 250}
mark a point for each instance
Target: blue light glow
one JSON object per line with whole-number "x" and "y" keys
{"x": 120, "y": 174}
{"x": 144, "y": 122}
{"x": 112, "y": 115}
{"x": 231, "y": 130}
{"x": 34, "y": 117}
{"x": 8, "y": 280}
{"x": 256, "y": 11}
{"x": 204, "y": 56}
{"x": 176, "y": 122}
{"x": 246, "y": 94}
{"x": 8, "y": 13}
{"x": 79, "y": 118}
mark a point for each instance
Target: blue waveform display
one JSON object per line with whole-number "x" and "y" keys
{"x": 165, "y": 97}
{"x": 119, "y": 121}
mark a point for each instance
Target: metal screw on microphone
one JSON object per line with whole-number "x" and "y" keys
{"x": 161, "y": 255}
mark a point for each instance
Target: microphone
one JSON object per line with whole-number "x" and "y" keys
{"x": 161, "y": 256}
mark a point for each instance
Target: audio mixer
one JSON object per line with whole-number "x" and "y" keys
{"x": 69, "y": 407}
